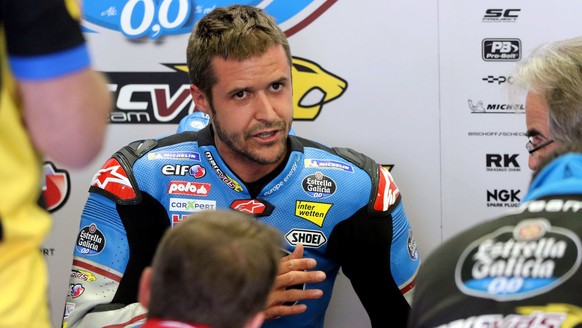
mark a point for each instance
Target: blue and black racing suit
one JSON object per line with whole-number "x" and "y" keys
{"x": 343, "y": 207}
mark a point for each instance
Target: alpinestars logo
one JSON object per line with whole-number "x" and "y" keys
{"x": 257, "y": 207}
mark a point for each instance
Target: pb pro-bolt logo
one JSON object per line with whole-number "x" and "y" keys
{"x": 501, "y": 49}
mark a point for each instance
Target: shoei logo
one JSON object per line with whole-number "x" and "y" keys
{"x": 308, "y": 238}
{"x": 157, "y": 18}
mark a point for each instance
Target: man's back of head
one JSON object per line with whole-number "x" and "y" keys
{"x": 215, "y": 268}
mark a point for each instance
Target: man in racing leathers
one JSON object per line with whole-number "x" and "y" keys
{"x": 335, "y": 206}
{"x": 519, "y": 270}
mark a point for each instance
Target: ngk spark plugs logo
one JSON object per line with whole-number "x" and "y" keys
{"x": 501, "y": 49}
{"x": 518, "y": 262}
{"x": 503, "y": 197}
{"x": 164, "y": 97}
{"x": 157, "y": 18}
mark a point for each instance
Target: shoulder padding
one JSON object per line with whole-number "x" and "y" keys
{"x": 384, "y": 195}
{"x": 115, "y": 179}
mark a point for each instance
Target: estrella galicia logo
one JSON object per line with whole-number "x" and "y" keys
{"x": 318, "y": 185}
{"x": 156, "y": 18}
{"x": 501, "y": 49}
{"x": 91, "y": 240}
{"x": 518, "y": 262}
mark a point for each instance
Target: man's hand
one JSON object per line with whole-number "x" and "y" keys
{"x": 293, "y": 271}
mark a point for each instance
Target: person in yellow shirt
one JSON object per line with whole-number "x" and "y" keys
{"x": 52, "y": 103}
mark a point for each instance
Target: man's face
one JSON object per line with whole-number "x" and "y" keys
{"x": 252, "y": 107}
{"x": 536, "y": 120}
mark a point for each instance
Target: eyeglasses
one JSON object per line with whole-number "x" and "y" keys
{"x": 532, "y": 147}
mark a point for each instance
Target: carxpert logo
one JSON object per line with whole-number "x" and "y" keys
{"x": 164, "y": 97}
{"x": 501, "y": 49}
{"x": 157, "y": 18}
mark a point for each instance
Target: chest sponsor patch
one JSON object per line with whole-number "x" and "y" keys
{"x": 188, "y": 188}
{"x": 191, "y": 205}
{"x": 90, "y": 240}
{"x": 179, "y": 155}
{"x": 113, "y": 179}
{"x": 257, "y": 207}
{"x": 318, "y": 185}
{"x": 517, "y": 262}
{"x": 312, "y": 211}
{"x": 308, "y": 238}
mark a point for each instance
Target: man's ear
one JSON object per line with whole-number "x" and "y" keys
{"x": 145, "y": 287}
{"x": 200, "y": 100}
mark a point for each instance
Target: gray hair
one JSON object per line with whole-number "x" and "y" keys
{"x": 554, "y": 71}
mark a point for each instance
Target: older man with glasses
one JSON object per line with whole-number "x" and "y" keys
{"x": 552, "y": 78}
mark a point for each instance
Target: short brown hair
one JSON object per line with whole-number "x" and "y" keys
{"x": 215, "y": 268}
{"x": 234, "y": 32}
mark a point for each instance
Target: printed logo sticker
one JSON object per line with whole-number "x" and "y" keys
{"x": 280, "y": 184}
{"x": 518, "y": 262}
{"x": 318, "y": 185}
{"x": 113, "y": 179}
{"x": 328, "y": 164}
{"x": 188, "y": 188}
{"x": 83, "y": 275}
{"x": 258, "y": 207}
{"x": 312, "y": 211}
{"x": 188, "y": 155}
{"x": 76, "y": 290}
{"x": 308, "y": 238}
{"x": 412, "y": 248}
{"x": 230, "y": 182}
{"x": 90, "y": 241}
{"x": 191, "y": 205}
